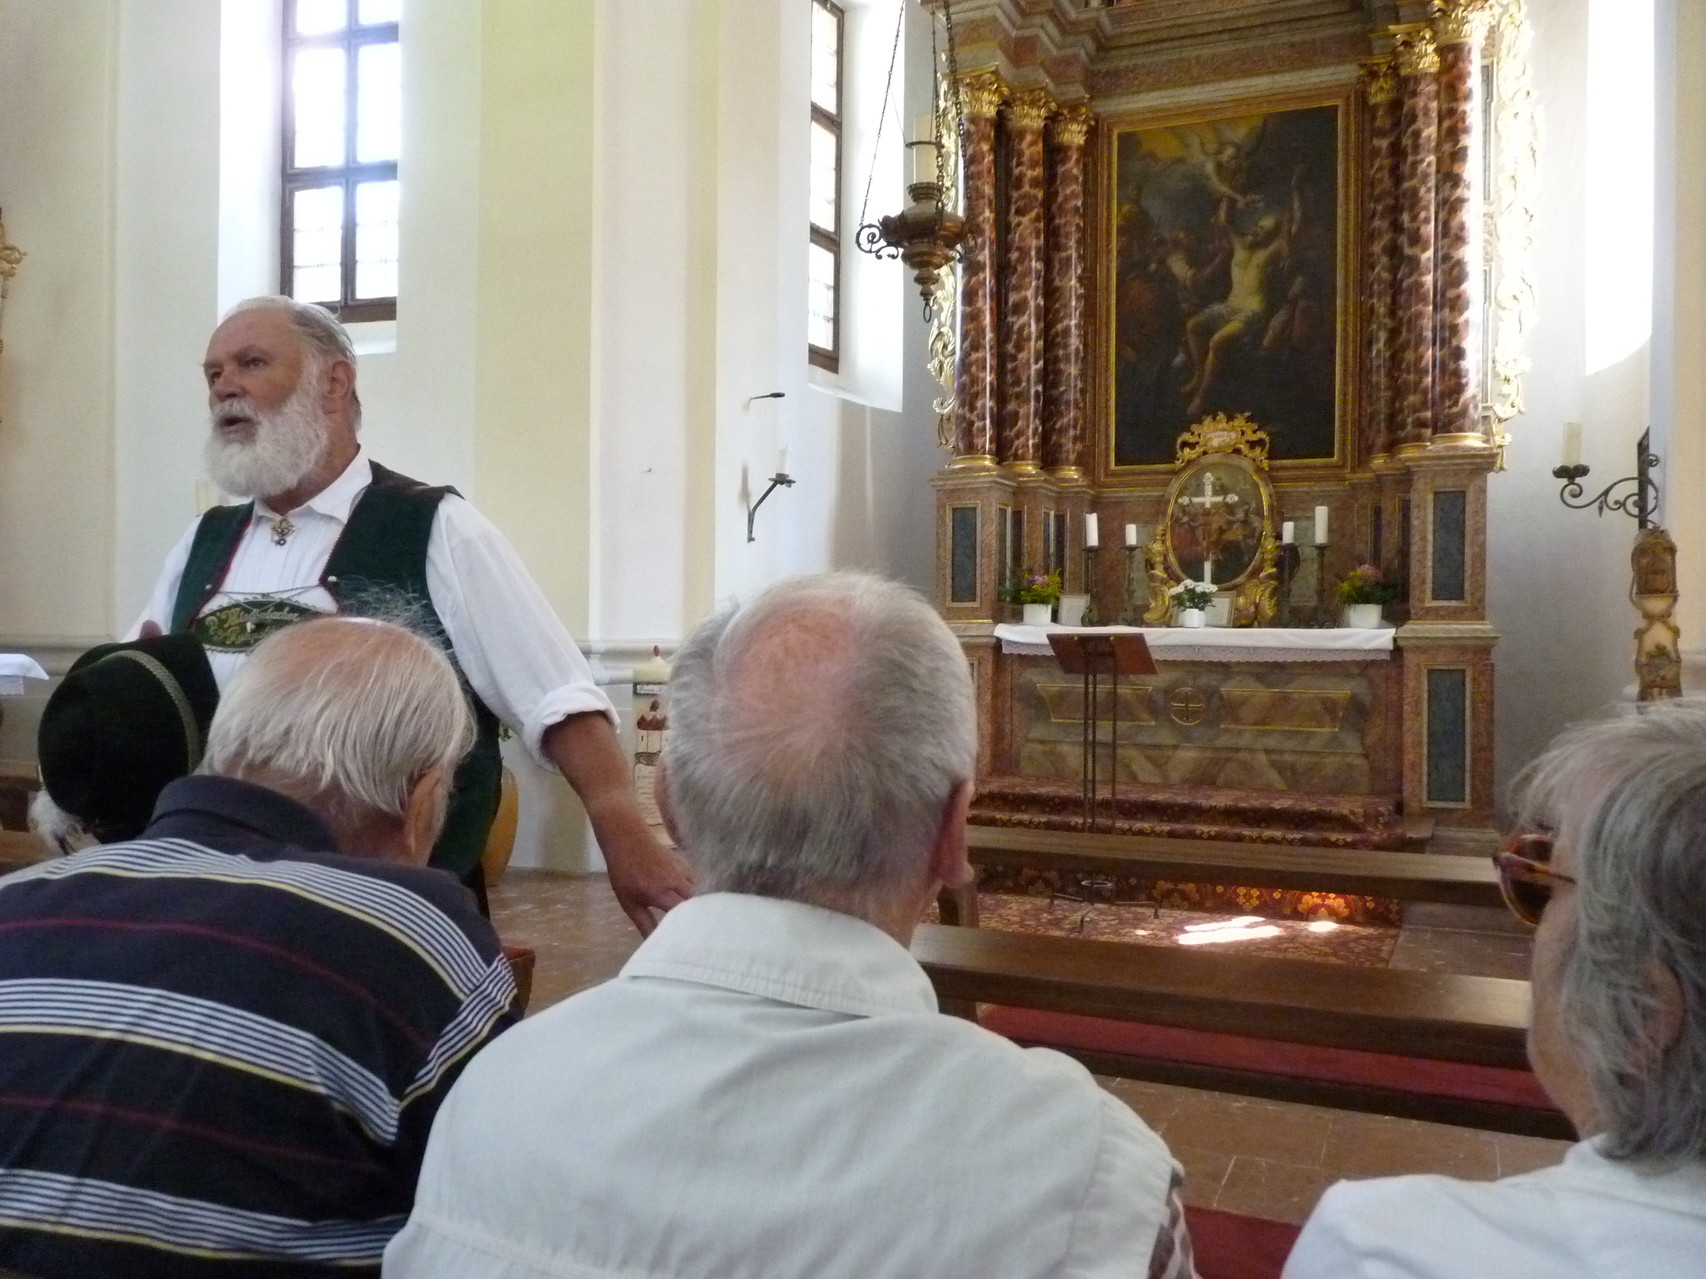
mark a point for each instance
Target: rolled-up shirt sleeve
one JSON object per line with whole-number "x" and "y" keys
{"x": 518, "y": 657}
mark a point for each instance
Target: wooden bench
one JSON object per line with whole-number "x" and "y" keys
{"x": 1420, "y": 1045}
{"x": 1429, "y": 877}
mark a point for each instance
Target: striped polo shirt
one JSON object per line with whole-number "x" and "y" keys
{"x": 221, "y": 1052}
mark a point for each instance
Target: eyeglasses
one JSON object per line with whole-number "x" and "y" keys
{"x": 1526, "y": 877}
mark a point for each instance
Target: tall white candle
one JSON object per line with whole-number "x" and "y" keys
{"x": 1572, "y": 444}
{"x": 1288, "y": 533}
{"x": 1320, "y": 526}
{"x": 1090, "y": 536}
{"x": 1131, "y": 535}
{"x": 782, "y": 461}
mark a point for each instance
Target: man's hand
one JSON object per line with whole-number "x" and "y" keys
{"x": 646, "y": 877}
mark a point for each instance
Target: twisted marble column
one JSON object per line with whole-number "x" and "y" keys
{"x": 1022, "y": 307}
{"x": 1457, "y": 26}
{"x": 974, "y": 382}
{"x": 1380, "y": 302}
{"x": 1418, "y": 138}
{"x": 1063, "y": 306}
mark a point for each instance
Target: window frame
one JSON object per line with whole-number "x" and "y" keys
{"x": 829, "y": 358}
{"x": 348, "y": 176}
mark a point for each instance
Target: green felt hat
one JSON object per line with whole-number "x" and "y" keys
{"x": 127, "y": 719}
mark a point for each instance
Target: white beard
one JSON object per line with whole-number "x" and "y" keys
{"x": 288, "y": 443}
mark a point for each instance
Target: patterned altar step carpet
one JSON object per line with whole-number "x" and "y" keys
{"x": 1328, "y": 940}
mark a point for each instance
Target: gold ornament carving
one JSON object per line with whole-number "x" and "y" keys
{"x": 1460, "y": 21}
{"x": 1222, "y": 434}
{"x": 1380, "y": 78}
{"x": 1415, "y": 49}
{"x": 1072, "y": 123}
{"x": 1509, "y": 239}
{"x": 983, "y": 94}
{"x": 1029, "y": 108}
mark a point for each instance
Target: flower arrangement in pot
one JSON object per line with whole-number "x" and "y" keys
{"x": 1038, "y": 593}
{"x": 1363, "y": 592}
{"x": 1190, "y": 599}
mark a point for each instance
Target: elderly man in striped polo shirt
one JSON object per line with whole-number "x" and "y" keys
{"x": 225, "y": 1040}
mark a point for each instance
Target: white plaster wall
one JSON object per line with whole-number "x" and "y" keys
{"x": 58, "y": 63}
{"x": 167, "y": 278}
{"x": 1558, "y": 579}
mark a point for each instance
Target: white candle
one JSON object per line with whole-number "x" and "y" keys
{"x": 1288, "y": 533}
{"x": 1572, "y": 444}
{"x": 1090, "y": 537}
{"x": 1320, "y": 526}
{"x": 1131, "y": 535}
{"x": 782, "y": 461}
{"x": 923, "y": 149}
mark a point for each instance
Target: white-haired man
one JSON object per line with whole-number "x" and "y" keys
{"x": 328, "y": 529}
{"x": 1610, "y": 866}
{"x": 768, "y": 1088}
{"x": 225, "y": 1040}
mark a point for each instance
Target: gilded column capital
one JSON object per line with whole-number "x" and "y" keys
{"x": 1029, "y": 108}
{"x": 1071, "y": 124}
{"x": 1460, "y": 21}
{"x": 1380, "y": 78}
{"x": 1416, "y": 51}
{"x": 983, "y": 94}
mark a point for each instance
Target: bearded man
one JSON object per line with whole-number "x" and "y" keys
{"x": 330, "y": 530}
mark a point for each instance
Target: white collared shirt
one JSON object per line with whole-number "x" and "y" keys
{"x": 768, "y": 1089}
{"x": 515, "y": 653}
{"x": 1586, "y": 1217}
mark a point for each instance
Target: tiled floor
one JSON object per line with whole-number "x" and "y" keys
{"x": 1264, "y": 1158}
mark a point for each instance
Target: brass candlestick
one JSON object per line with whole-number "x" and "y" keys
{"x": 1091, "y": 616}
{"x": 1129, "y": 616}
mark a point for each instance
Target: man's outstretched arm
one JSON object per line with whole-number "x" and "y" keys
{"x": 644, "y": 875}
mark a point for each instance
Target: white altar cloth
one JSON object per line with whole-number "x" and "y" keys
{"x": 15, "y": 668}
{"x": 1221, "y": 643}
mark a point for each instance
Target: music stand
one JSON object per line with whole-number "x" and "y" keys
{"x": 1123, "y": 653}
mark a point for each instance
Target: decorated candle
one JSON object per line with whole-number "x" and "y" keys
{"x": 1320, "y": 526}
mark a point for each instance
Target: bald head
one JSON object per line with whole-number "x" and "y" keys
{"x": 346, "y": 715}
{"x": 817, "y": 737}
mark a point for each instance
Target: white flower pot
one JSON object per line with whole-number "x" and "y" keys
{"x": 1038, "y": 614}
{"x": 1071, "y": 610}
{"x": 1191, "y": 617}
{"x": 1361, "y": 616}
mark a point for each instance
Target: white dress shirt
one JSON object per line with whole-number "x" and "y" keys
{"x": 1587, "y": 1216}
{"x": 515, "y": 653}
{"x": 767, "y": 1089}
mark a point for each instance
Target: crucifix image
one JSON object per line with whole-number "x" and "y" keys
{"x": 1215, "y": 521}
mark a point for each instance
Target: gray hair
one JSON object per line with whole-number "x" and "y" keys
{"x": 322, "y": 335}
{"x": 816, "y": 737}
{"x": 1628, "y": 796}
{"x": 344, "y": 714}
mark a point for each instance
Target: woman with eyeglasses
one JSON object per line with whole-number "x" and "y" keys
{"x": 1610, "y": 867}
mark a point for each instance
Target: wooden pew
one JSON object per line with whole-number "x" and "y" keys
{"x": 1430, "y": 877}
{"x": 1323, "y": 1032}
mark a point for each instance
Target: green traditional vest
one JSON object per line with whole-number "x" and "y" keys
{"x": 382, "y": 555}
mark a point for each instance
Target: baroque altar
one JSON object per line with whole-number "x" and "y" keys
{"x": 1303, "y": 232}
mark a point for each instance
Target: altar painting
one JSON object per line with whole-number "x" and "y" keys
{"x": 1226, "y": 252}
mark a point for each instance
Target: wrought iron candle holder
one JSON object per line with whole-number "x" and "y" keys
{"x": 1640, "y": 501}
{"x": 1323, "y": 593}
